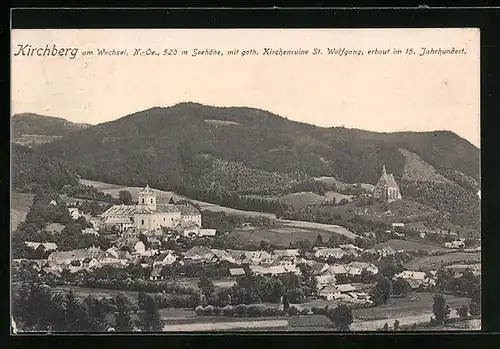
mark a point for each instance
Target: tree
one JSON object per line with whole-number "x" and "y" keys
{"x": 206, "y": 286}
{"x": 463, "y": 311}
{"x": 319, "y": 240}
{"x": 400, "y": 287}
{"x": 396, "y": 325}
{"x": 440, "y": 308}
{"x": 124, "y": 197}
{"x": 382, "y": 291}
{"x": 286, "y": 304}
{"x": 75, "y": 314}
{"x": 150, "y": 316}
{"x": 123, "y": 307}
{"x": 341, "y": 317}
{"x": 386, "y": 327}
{"x": 475, "y": 305}
{"x": 171, "y": 201}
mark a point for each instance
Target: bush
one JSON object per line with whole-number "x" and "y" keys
{"x": 240, "y": 310}
{"x": 228, "y": 310}
{"x": 254, "y": 311}
{"x": 199, "y": 310}
{"x": 293, "y": 311}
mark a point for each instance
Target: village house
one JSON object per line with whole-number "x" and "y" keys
{"x": 287, "y": 252}
{"x": 132, "y": 245}
{"x": 386, "y": 251}
{"x": 54, "y": 228}
{"x": 255, "y": 257}
{"x": 153, "y": 242}
{"x": 118, "y": 223}
{"x": 416, "y": 279}
{"x": 319, "y": 268}
{"x": 208, "y": 232}
{"x": 47, "y": 246}
{"x": 260, "y": 270}
{"x": 284, "y": 261}
{"x": 156, "y": 274}
{"x": 74, "y": 213}
{"x": 329, "y": 292}
{"x": 351, "y": 249}
{"x": 324, "y": 280}
{"x": 199, "y": 253}
{"x": 95, "y": 222}
{"x": 236, "y": 271}
{"x": 223, "y": 255}
{"x": 338, "y": 270}
{"x": 369, "y": 267}
{"x": 455, "y": 244}
{"x": 66, "y": 257}
{"x": 326, "y": 253}
{"x": 90, "y": 231}
{"x": 386, "y": 188}
{"x": 165, "y": 258}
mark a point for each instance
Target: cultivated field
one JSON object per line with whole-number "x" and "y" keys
{"x": 20, "y": 205}
{"x": 410, "y": 245}
{"x": 165, "y": 196}
{"x": 289, "y": 232}
{"x": 308, "y": 230}
{"x": 434, "y": 262}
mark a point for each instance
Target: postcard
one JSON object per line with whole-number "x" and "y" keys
{"x": 236, "y": 180}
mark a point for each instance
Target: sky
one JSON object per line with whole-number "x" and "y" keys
{"x": 384, "y": 93}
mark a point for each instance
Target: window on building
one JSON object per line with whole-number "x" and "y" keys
{"x": 142, "y": 222}
{"x": 142, "y": 200}
{"x": 151, "y": 200}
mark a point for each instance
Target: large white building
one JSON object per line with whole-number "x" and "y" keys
{"x": 149, "y": 215}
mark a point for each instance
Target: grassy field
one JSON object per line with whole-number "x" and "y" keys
{"x": 20, "y": 206}
{"x": 434, "y": 262}
{"x": 165, "y": 196}
{"x": 398, "y": 244}
{"x": 33, "y": 139}
{"x": 290, "y": 232}
{"x": 293, "y": 230}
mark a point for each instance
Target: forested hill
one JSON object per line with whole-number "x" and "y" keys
{"x": 160, "y": 144}
{"x": 29, "y": 123}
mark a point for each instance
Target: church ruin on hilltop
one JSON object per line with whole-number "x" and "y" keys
{"x": 387, "y": 189}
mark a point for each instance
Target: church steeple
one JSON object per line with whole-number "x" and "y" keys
{"x": 384, "y": 172}
{"x": 147, "y": 198}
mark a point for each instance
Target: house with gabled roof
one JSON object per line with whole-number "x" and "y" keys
{"x": 326, "y": 253}
{"x": 47, "y": 246}
{"x": 165, "y": 258}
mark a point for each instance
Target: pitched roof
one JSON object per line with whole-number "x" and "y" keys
{"x": 187, "y": 209}
{"x": 288, "y": 252}
{"x": 236, "y": 271}
{"x": 345, "y": 288}
{"x": 167, "y": 208}
{"x": 147, "y": 190}
{"x": 338, "y": 269}
{"x": 118, "y": 220}
{"x": 74, "y": 254}
{"x": 156, "y": 272}
{"x": 46, "y": 245}
{"x": 120, "y": 210}
{"x": 197, "y": 250}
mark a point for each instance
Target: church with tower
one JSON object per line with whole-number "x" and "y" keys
{"x": 147, "y": 214}
{"x": 386, "y": 188}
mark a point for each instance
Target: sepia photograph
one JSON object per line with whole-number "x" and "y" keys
{"x": 245, "y": 180}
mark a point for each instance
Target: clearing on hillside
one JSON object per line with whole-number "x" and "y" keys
{"x": 410, "y": 245}
{"x": 20, "y": 206}
{"x": 434, "y": 262}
